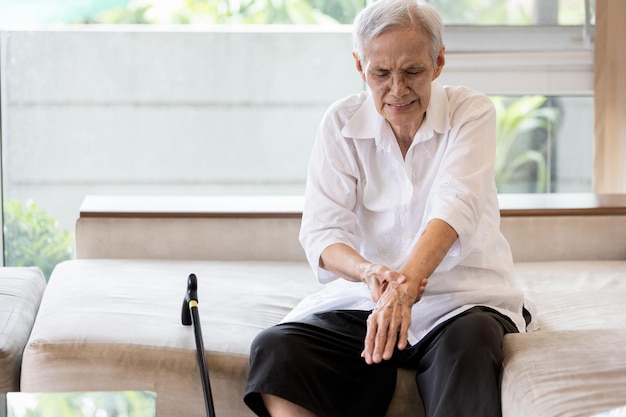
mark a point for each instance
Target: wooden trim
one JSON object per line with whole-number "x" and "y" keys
{"x": 511, "y": 205}
{"x": 517, "y": 205}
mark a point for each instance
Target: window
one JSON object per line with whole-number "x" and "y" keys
{"x": 514, "y": 12}
{"x": 99, "y": 109}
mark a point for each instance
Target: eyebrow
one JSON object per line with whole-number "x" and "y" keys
{"x": 407, "y": 68}
{"x": 414, "y": 67}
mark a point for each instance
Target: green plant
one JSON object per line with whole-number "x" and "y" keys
{"x": 229, "y": 12}
{"x": 483, "y": 12}
{"x": 32, "y": 237}
{"x": 523, "y": 125}
{"x": 83, "y": 404}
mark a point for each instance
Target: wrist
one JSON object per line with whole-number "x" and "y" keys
{"x": 366, "y": 271}
{"x": 418, "y": 286}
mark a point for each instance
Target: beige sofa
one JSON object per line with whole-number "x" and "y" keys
{"x": 110, "y": 319}
{"x": 21, "y": 289}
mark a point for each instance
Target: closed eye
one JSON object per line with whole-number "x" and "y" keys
{"x": 380, "y": 73}
{"x": 414, "y": 71}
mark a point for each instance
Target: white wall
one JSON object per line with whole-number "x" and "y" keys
{"x": 140, "y": 111}
{"x": 148, "y": 110}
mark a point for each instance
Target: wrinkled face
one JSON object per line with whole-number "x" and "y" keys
{"x": 398, "y": 69}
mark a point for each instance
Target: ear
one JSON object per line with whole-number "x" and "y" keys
{"x": 440, "y": 62}
{"x": 359, "y": 65}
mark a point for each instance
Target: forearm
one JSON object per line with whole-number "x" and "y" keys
{"x": 431, "y": 248}
{"x": 345, "y": 262}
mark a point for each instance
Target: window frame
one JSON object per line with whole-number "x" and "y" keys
{"x": 549, "y": 60}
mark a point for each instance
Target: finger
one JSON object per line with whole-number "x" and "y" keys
{"x": 421, "y": 289}
{"x": 403, "y": 335}
{"x": 380, "y": 338}
{"x": 382, "y": 288}
{"x": 391, "y": 337}
{"x": 369, "y": 338}
{"x": 374, "y": 286}
{"x": 375, "y": 292}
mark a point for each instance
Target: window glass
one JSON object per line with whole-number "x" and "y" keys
{"x": 535, "y": 151}
{"x": 42, "y": 12}
{"x": 511, "y": 12}
{"x": 80, "y": 404}
{"x": 454, "y": 12}
{"x": 106, "y": 123}
{"x": 232, "y": 12}
{"x": 180, "y": 12}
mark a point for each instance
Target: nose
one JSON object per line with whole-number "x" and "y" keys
{"x": 398, "y": 84}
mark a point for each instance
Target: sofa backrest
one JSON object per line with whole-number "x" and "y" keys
{"x": 541, "y": 227}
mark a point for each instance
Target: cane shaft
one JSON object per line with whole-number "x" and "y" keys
{"x": 202, "y": 362}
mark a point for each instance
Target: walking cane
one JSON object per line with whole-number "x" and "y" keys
{"x": 190, "y": 315}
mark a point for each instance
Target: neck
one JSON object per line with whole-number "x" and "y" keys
{"x": 404, "y": 144}
{"x": 404, "y": 135}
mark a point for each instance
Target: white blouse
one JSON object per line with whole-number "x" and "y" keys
{"x": 363, "y": 193}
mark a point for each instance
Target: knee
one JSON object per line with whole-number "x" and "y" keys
{"x": 279, "y": 342}
{"x": 475, "y": 337}
{"x": 268, "y": 338}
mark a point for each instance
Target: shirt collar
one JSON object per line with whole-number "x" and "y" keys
{"x": 367, "y": 123}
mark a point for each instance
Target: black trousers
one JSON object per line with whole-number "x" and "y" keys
{"x": 316, "y": 364}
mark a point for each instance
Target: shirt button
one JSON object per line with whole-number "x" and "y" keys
{"x": 406, "y": 236}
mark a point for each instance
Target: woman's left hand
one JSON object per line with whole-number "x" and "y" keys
{"x": 388, "y": 324}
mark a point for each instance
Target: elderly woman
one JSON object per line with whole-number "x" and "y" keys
{"x": 401, "y": 221}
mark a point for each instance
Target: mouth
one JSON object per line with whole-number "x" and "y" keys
{"x": 400, "y": 106}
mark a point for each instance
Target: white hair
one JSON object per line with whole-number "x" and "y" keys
{"x": 384, "y": 15}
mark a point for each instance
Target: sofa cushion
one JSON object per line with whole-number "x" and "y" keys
{"x": 115, "y": 324}
{"x": 564, "y": 373}
{"x": 21, "y": 289}
{"x": 575, "y": 364}
{"x": 575, "y": 295}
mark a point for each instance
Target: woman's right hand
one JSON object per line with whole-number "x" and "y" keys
{"x": 377, "y": 277}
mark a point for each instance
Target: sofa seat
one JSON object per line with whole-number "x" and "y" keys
{"x": 575, "y": 364}
{"x": 564, "y": 373}
{"x": 115, "y": 324}
{"x": 575, "y": 295}
{"x": 21, "y": 289}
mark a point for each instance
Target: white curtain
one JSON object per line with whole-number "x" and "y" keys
{"x": 610, "y": 97}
